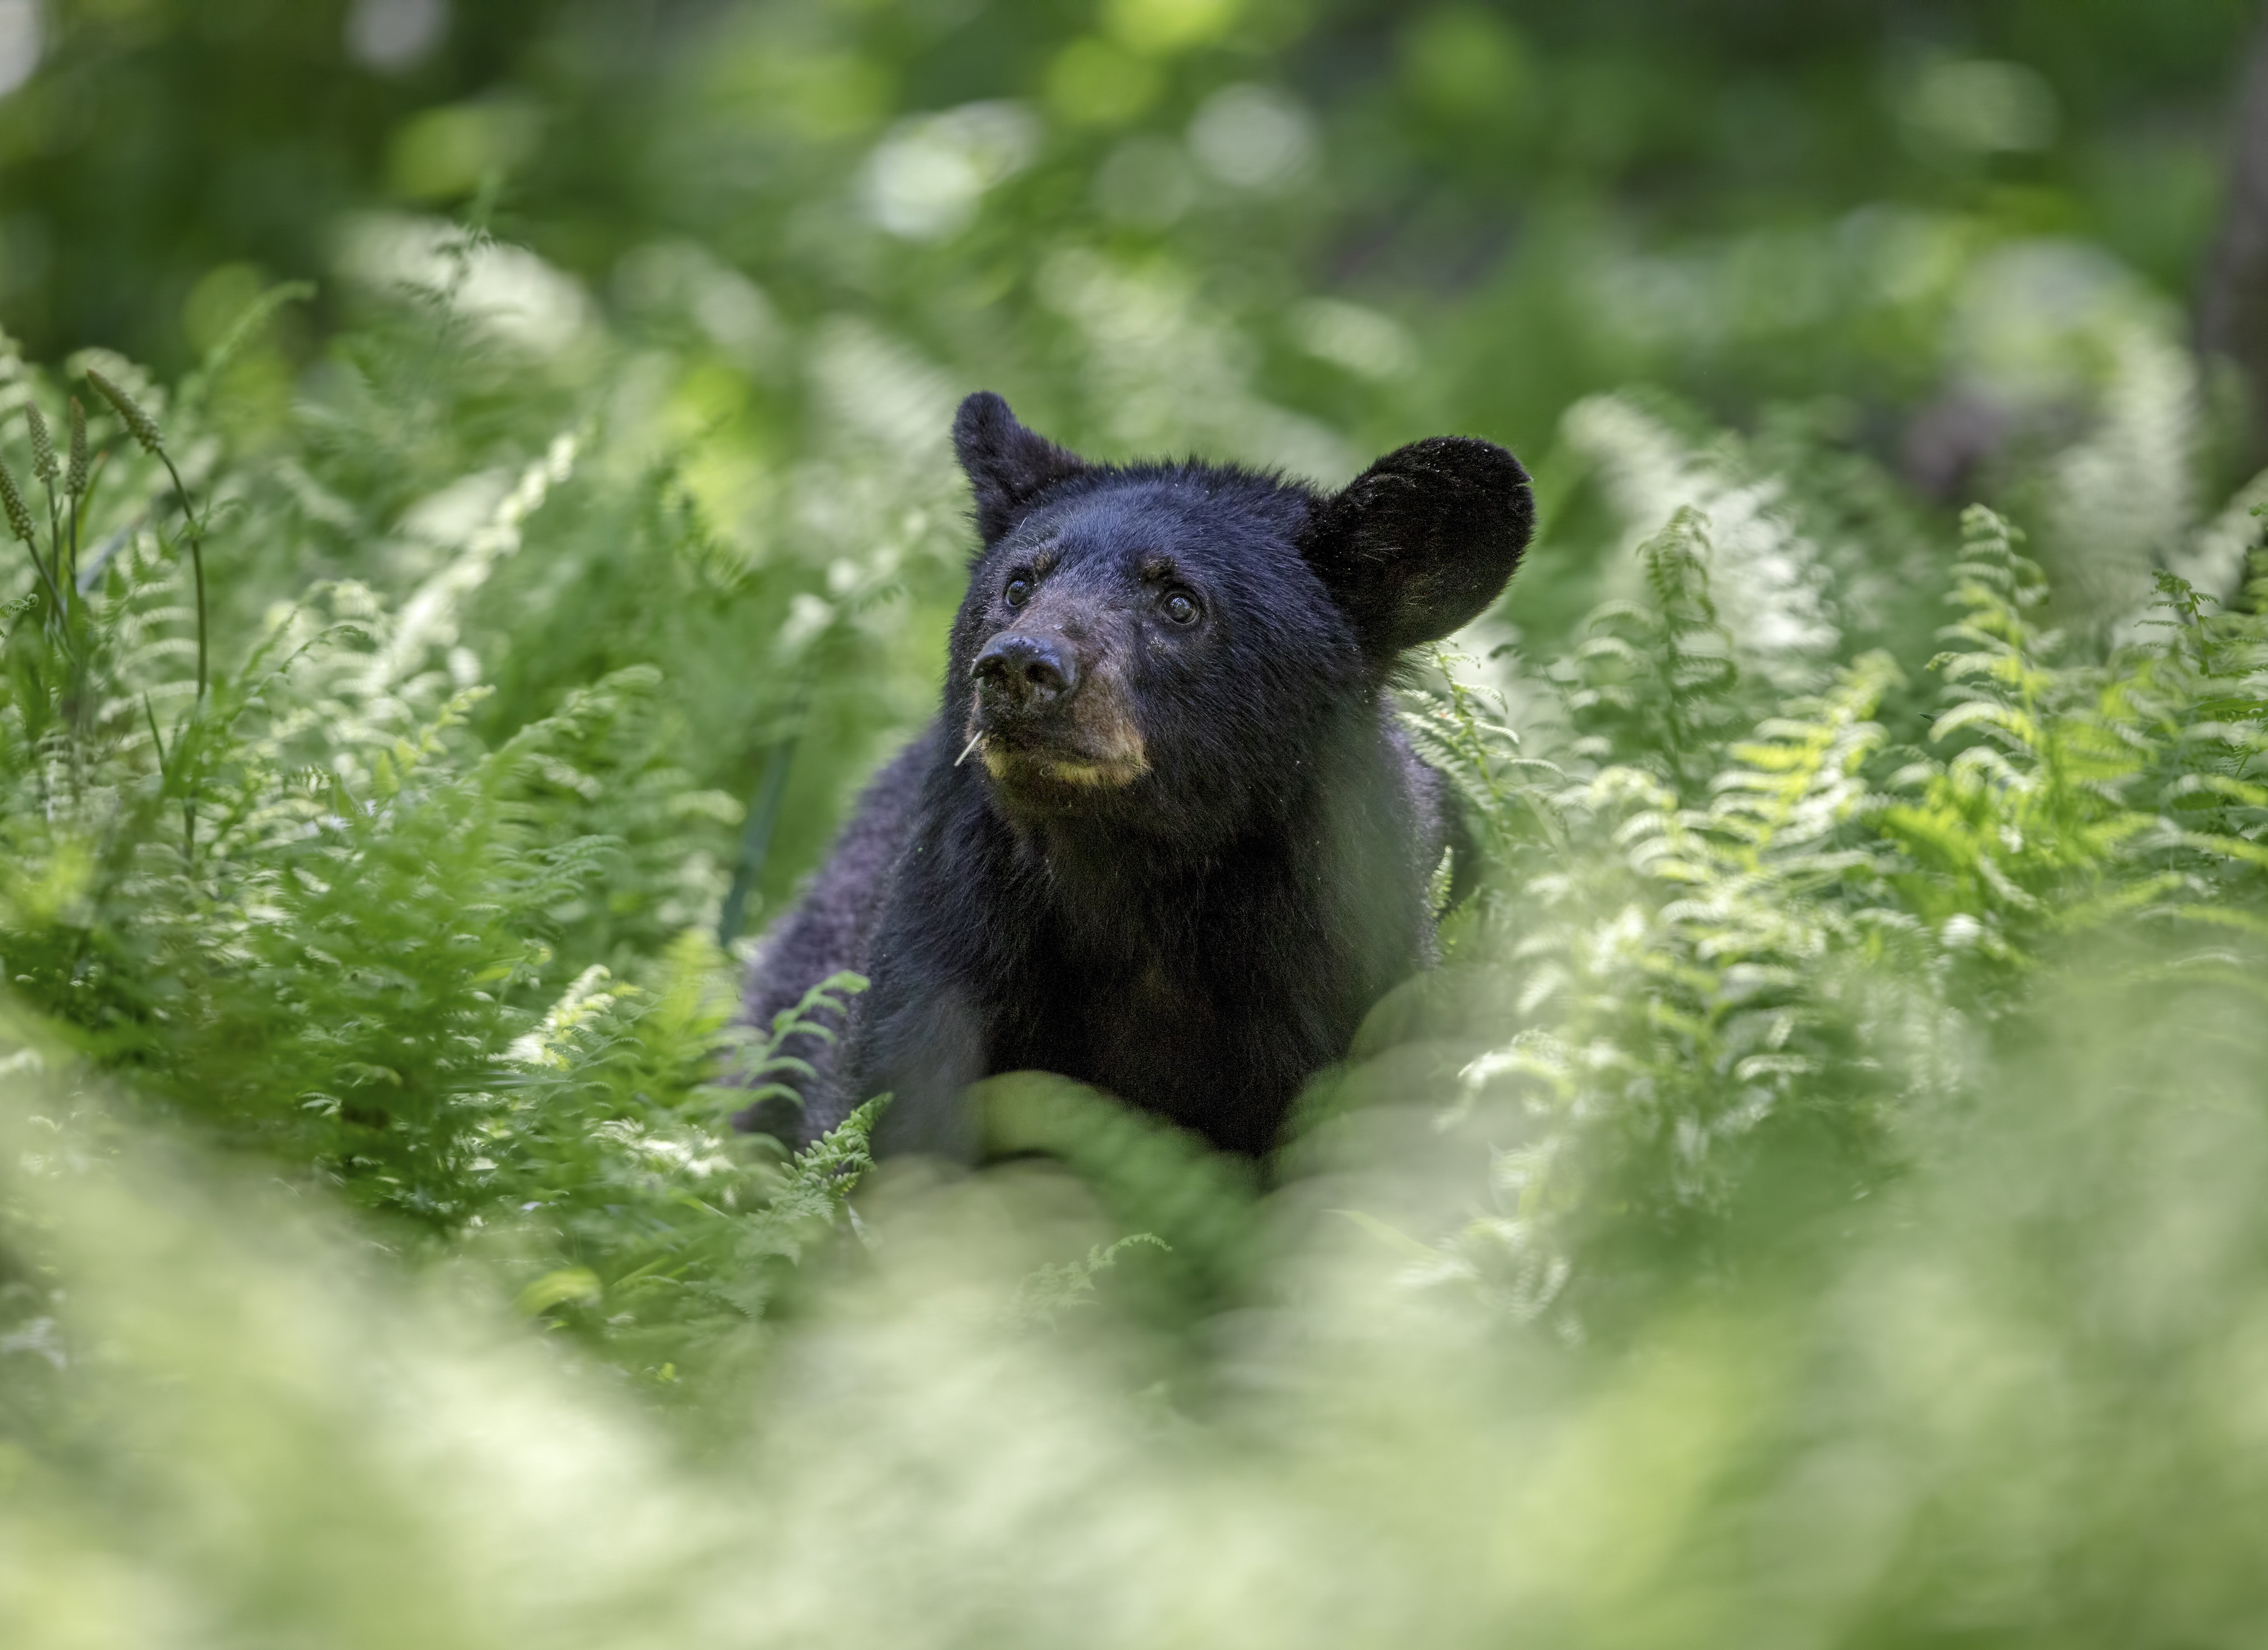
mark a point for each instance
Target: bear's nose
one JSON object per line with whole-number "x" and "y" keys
{"x": 1020, "y": 673}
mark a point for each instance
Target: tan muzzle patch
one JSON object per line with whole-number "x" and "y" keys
{"x": 1102, "y": 747}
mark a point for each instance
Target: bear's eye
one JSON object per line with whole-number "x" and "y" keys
{"x": 1018, "y": 592}
{"x": 1180, "y": 607}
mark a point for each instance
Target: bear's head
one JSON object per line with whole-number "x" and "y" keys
{"x": 1169, "y": 647}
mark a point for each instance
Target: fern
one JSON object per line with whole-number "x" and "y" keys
{"x": 2030, "y": 823}
{"x": 1691, "y": 966}
{"x": 1463, "y": 728}
{"x": 1657, "y": 682}
{"x": 1736, "y": 944}
{"x": 286, "y": 887}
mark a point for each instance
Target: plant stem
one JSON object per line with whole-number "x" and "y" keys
{"x": 197, "y": 561}
{"x": 49, "y": 578}
{"x": 55, "y": 552}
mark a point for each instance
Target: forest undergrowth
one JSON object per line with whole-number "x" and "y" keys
{"x": 1815, "y": 1199}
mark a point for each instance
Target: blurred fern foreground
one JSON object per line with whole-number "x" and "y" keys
{"x": 478, "y": 504}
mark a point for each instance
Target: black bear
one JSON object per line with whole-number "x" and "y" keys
{"x": 1164, "y": 835}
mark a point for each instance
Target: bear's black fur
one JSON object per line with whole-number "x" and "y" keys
{"x": 1164, "y": 837}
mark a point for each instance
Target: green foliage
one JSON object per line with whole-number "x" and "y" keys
{"x": 1817, "y": 1193}
{"x": 1748, "y": 986}
{"x": 1735, "y": 974}
{"x": 308, "y": 911}
{"x": 1659, "y": 677}
{"x": 1151, "y": 1179}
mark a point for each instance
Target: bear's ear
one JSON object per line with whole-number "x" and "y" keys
{"x": 1423, "y": 540}
{"x": 1008, "y": 466}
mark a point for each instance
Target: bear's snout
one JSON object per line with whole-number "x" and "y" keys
{"x": 1017, "y": 674}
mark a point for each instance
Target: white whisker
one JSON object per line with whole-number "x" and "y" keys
{"x": 975, "y": 740}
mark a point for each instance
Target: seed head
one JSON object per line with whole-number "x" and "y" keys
{"x": 75, "y": 478}
{"x": 43, "y": 447}
{"x": 20, "y": 517}
{"x": 140, "y": 424}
